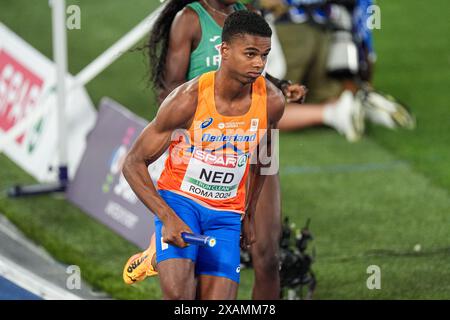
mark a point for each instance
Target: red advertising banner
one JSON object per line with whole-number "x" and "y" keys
{"x": 19, "y": 91}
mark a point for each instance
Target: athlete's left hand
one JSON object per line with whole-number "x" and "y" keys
{"x": 248, "y": 232}
{"x": 295, "y": 92}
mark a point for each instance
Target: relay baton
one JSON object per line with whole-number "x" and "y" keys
{"x": 199, "y": 239}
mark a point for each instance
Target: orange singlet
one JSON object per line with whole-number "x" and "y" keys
{"x": 209, "y": 162}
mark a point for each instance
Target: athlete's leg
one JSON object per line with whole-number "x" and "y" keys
{"x": 177, "y": 279}
{"x": 216, "y": 288}
{"x": 297, "y": 116}
{"x": 325, "y": 105}
{"x": 176, "y": 266}
{"x": 299, "y": 45}
{"x": 141, "y": 265}
{"x": 321, "y": 86}
{"x": 265, "y": 251}
{"x": 306, "y": 49}
{"x": 218, "y": 268}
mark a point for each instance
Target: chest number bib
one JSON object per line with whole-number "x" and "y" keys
{"x": 214, "y": 176}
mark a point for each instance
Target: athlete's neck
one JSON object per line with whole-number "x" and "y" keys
{"x": 228, "y": 87}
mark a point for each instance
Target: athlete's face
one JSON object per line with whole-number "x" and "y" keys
{"x": 246, "y": 56}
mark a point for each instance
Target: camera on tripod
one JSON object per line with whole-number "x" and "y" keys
{"x": 297, "y": 280}
{"x": 296, "y": 276}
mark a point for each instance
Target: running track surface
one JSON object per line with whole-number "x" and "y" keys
{"x": 11, "y": 291}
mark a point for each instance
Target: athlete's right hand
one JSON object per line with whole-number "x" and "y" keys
{"x": 172, "y": 229}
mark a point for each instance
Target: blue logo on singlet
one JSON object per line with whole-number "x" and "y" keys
{"x": 206, "y": 123}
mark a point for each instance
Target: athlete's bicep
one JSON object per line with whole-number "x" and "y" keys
{"x": 275, "y": 109}
{"x": 176, "y": 112}
{"x": 150, "y": 144}
{"x": 275, "y": 104}
{"x": 179, "y": 51}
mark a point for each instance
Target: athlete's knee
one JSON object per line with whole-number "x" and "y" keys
{"x": 179, "y": 292}
{"x": 176, "y": 296}
{"x": 177, "y": 288}
{"x": 177, "y": 280}
{"x": 266, "y": 259}
{"x": 266, "y": 251}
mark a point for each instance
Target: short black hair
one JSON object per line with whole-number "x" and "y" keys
{"x": 245, "y": 22}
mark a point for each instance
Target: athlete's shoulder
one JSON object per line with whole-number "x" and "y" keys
{"x": 186, "y": 20}
{"x": 178, "y": 109}
{"x": 187, "y": 15}
{"x": 275, "y": 102}
{"x": 185, "y": 95}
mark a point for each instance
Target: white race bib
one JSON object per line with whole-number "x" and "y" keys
{"x": 214, "y": 176}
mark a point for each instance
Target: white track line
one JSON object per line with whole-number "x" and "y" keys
{"x": 33, "y": 283}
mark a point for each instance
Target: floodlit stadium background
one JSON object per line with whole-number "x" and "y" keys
{"x": 383, "y": 201}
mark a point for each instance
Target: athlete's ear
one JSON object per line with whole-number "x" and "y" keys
{"x": 224, "y": 50}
